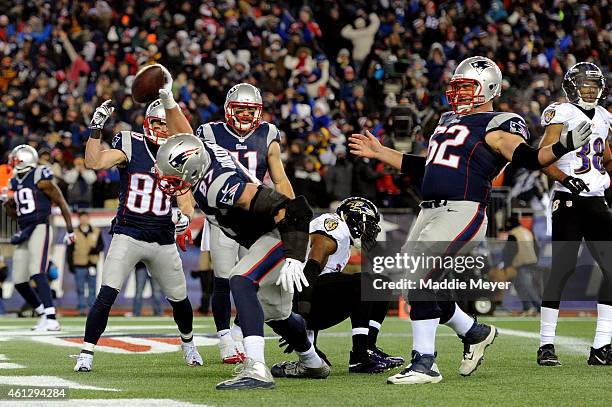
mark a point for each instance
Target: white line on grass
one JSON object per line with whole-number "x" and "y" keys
{"x": 570, "y": 343}
{"x": 48, "y": 381}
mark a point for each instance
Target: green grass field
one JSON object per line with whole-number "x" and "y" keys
{"x": 509, "y": 376}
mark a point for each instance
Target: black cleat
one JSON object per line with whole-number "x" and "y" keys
{"x": 367, "y": 363}
{"x": 547, "y": 356}
{"x": 601, "y": 356}
{"x": 392, "y": 361}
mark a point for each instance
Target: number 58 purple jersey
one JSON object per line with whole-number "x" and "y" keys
{"x": 460, "y": 165}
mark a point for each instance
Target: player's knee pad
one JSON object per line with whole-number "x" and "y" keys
{"x": 420, "y": 310}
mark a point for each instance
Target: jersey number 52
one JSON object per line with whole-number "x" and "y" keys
{"x": 437, "y": 150}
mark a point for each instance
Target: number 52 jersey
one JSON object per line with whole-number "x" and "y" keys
{"x": 585, "y": 163}
{"x": 460, "y": 165}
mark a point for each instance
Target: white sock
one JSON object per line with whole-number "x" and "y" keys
{"x": 310, "y": 333}
{"x": 548, "y": 325}
{"x": 50, "y": 311}
{"x": 236, "y": 333}
{"x": 359, "y": 331}
{"x": 603, "y": 331}
{"x": 460, "y": 322}
{"x": 225, "y": 336}
{"x": 424, "y": 335}
{"x": 375, "y": 324}
{"x": 40, "y": 310}
{"x": 187, "y": 337}
{"x": 254, "y": 348}
{"x": 88, "y": 346}
{"x": 310, "y": 358}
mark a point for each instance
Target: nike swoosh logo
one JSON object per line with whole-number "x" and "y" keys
{"x": 451, "y": 210}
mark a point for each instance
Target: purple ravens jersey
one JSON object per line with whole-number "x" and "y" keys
{"x": 144, "y": 212}
{"x": 218, "y": 190}
{"x": 33, "y": 205}
{"x": 460, "y": 165}
{"x": 250, "y": 150}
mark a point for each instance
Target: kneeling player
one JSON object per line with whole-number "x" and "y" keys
{"x": 274, "y": 230}
{"x": 333, "y": 296}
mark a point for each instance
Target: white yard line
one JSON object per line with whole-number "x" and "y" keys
{"x": 48, "y": 381}
{"x": 569, "y": 343}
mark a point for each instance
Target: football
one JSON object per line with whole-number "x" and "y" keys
{"x": 147, "y": 83}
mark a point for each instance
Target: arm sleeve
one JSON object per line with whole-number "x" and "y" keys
{"x": 225, "y": 190}
{"x": 123, "y": 142}
{"x": 510, "y": 123}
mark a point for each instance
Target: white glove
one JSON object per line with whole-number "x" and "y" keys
{"x": 167, "y": 99}
{"x": 167, "y": 77}
{"x": 181, "y": 222}
{"x": 4, "y": 194}
{"x": 69, "y": 238}
{"x": 101, "y": 115}
{"x": 579, "y": 136}
{"x": 292, "y": 274}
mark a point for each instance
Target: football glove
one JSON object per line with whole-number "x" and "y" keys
{"x": 69, "y": 238}
{"x": 101, "y": 115}
{"x": 575, "y": 185}
{"x": 181, "y": 222}
{"x": 572, "y": 139}
{"x": 292, "y": 274}
{"x": 183, "y": 239}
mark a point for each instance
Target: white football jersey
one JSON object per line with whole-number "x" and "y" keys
{"x": 585, "y": 163}
{"x": 331, "y": 225}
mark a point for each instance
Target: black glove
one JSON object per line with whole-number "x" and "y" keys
{"x": 575, "y": 185}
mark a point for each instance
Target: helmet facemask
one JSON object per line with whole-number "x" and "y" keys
{"x": 155, "y": 129}
{"x": 584, "y": 85}
{"x": 243, "y": 116}
{"x": 171, "y": 185}
{"x": 464, "y": 95}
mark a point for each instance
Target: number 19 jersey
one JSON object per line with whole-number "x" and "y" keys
{"x": 144, "y": 211}
{"x": 586, "y": 162}
{"x": 460, "y": 165}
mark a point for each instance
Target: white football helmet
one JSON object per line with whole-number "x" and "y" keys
{"x": 155, "y": 112}
{"x": 180, "y": 163}
{"x": 476, "y": 81}
{"x": 23, "y": 158}
{"x": 243, "y": 107}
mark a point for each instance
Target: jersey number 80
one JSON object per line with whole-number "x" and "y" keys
{"x": 144, "y": 196}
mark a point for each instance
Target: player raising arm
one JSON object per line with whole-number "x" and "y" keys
{"x": 467, "y": 150}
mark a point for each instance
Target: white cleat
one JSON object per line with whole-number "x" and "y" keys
{"x": 475, "y": 343}
{"x": 53, "y": 325}
{"x": 84, "y": 362}
{"x": 191, "y": 354}
{"x": 41, "y": 324}
{"x": 422, "y": 370}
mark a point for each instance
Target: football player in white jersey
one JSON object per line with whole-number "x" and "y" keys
{"x": 579, "y": 209}
{"x": 333, "y": 296}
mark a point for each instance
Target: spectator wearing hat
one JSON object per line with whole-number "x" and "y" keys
{"x": 361, "y": 35}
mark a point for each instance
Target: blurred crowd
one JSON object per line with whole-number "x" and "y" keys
{"x": 325, "y": 68}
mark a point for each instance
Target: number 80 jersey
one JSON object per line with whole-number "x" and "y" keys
{"x": 460, "y": 165}
{"x": 586, "y": 162}
{"x": 144, "y": 211}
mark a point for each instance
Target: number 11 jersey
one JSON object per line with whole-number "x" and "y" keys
{"x": 144, "y": 211}
{"x": 586, "y": 162}
{"x": 250, "y": 150}
{"x": 460, "y": 165}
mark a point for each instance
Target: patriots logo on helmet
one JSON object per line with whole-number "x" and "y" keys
{"x": 179, "y": 160}
{"x": 480, "y": 65}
